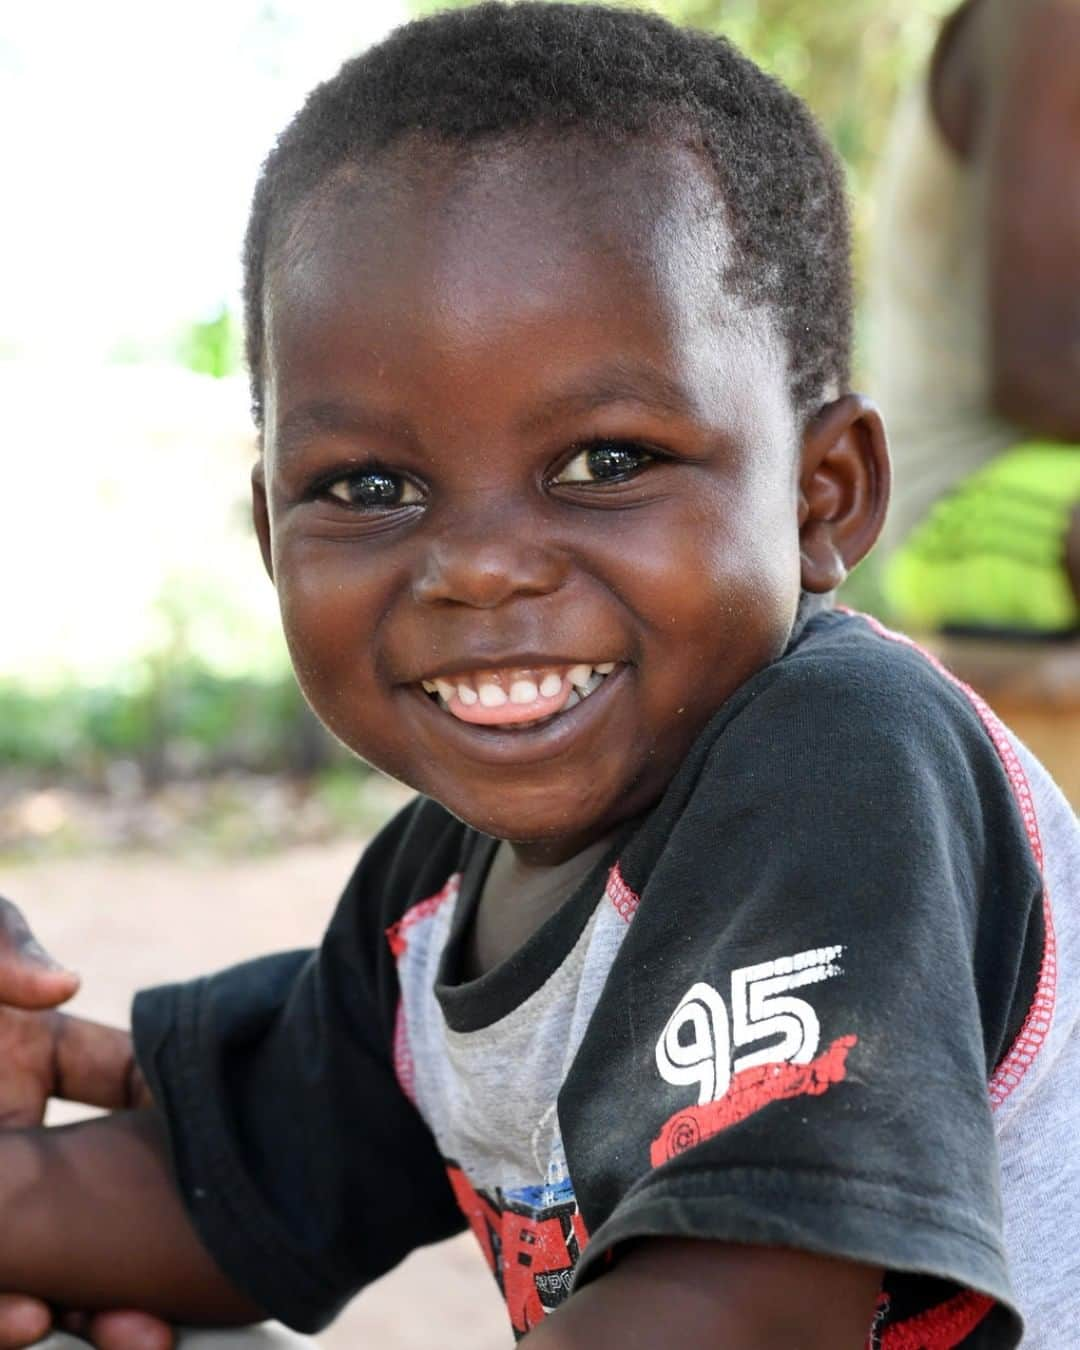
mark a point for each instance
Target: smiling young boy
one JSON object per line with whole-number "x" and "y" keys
{"x": 711, "y": 978}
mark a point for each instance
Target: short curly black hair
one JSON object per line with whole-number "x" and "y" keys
{"x": 505, "y": 69}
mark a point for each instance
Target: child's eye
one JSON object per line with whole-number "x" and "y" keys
{"x": 605, "y": 462}
{"x": 373, "y": 490}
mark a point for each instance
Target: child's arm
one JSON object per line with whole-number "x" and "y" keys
{"x": 90, "y": 1218}
{"x": 45, "y": 1054}
{"x": 712, "y": 1294}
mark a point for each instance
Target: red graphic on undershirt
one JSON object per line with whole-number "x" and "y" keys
{"x": 532, "y": 1251}
{"x": 749, "y": 1091}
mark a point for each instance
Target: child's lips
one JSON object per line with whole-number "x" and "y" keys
{"x": 516, "y": 696}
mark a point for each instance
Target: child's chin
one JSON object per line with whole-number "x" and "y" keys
{"x": 552, "y": 831}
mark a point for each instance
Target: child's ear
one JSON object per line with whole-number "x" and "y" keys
{"x": 843, "y": 490}
{"x": 260, "y": 514}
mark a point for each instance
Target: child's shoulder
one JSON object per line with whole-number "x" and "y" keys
{"x": 858, "y": 723}
{"x": 845, "y": 652}
{"x": 858, "y": 681}
{"x": 847, "y": 675}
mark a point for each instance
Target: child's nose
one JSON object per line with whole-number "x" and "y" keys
{"x": 486, "y": 560}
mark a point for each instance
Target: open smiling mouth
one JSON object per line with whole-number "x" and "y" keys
{"x": 516, "y": 698}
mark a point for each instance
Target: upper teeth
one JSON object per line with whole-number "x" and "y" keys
{"x": 488, "y": 689}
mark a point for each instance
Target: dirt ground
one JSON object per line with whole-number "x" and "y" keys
{"x": 132, "y": 921}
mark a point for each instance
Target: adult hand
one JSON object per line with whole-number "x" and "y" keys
{"x": 44, "y": 1054}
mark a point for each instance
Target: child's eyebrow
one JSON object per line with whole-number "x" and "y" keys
{"x": 336, "y": 417}
{"x": 617, "y": 382}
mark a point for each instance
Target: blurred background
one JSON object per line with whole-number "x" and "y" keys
{"x": 167, "y": 803}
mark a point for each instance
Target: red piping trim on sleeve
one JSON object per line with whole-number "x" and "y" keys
{"x": 621, "y": 896}
{"x": 404, "y": 1066}
{"x": 1032, "y": 1035}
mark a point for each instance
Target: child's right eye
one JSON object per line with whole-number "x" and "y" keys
{"x": 373, "y": 490}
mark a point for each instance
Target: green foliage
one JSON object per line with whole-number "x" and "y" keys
{"x": 212, "y": 347}
{"x": 186, "y": 720}
{"x": 207, "y": 687}
{"x": 421, "y": 8}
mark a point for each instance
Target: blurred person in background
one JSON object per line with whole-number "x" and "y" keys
{"x": 975, "y": 314}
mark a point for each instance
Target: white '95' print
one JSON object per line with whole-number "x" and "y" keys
{"x": 696, "y": 1044}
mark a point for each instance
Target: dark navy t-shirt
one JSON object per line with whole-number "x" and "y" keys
{"x": 774, "y": 1013}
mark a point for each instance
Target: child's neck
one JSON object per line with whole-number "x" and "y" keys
{"x": 517, "y": 898}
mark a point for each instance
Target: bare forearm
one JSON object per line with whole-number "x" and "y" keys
{"x": 90, "y": 1218}
{"x": 1033, "y": 217}
{"x": 716, "y": 1297}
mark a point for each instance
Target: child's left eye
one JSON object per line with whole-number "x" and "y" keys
{"x": 373, "y": 490}
{"x": 605, "y": 462}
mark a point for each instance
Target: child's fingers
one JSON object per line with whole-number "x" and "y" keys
{"x": 95, "y": 1065}
{"x": 129, "y": 1331}
{"x": 22, "y": 1105}
{"x": 22, "y": 1321}
{"x": 120, "y": 1330}
{"x": 49, "y": 1054}
{"x": 29, "y": 976}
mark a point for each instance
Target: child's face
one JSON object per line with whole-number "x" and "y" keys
{"x": 515, "y": 425}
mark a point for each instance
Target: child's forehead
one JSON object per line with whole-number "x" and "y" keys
{"x": 430, "y": 249}
{"x": 517, "y": 203}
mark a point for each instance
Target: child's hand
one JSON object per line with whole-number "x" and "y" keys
{"x": 44, "y": 1054}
